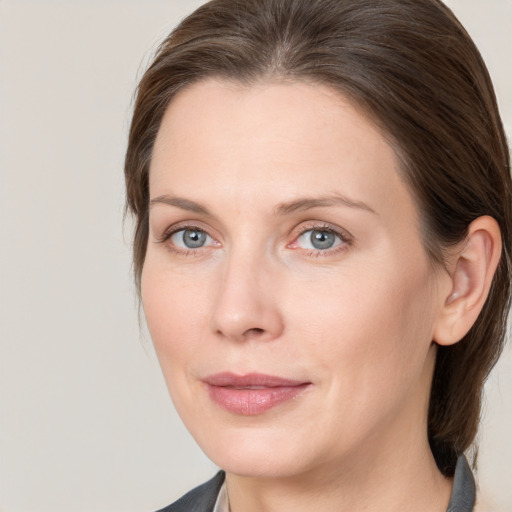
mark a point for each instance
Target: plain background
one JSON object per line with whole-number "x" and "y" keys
{"x": 85, "y": 420}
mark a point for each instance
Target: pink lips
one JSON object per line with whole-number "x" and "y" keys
{"x": 253, "y": 393}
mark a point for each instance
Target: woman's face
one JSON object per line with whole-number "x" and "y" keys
{"x": 289, "y": 297}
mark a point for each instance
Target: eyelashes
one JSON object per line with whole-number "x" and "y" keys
{"x": 186, "y": 240}
{"x": 321, "y": 240}
{"x": 190, "y": 238}
{"x": 312, "y": 239}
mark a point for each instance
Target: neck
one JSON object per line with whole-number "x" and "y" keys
{"x": 379, "y": 482}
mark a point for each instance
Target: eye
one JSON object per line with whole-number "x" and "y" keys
{"x": 319, "y": 239}
{"x": 190, "y": 238}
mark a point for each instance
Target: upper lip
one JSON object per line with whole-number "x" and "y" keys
{"x": 250, "y": 379}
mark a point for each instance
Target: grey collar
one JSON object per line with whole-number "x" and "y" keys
{"x": 463, "y": 492}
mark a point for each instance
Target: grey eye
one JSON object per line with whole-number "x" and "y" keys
{"x": 194, "y": 239}
{"x": 322, "y": 239}
{"x": 190, "y": 238}
{"x": 319, "y": 239}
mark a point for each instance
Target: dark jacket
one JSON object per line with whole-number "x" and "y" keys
{"x": 203, "y": 498}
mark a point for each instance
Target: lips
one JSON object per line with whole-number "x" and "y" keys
{"x": 252, "y": 394}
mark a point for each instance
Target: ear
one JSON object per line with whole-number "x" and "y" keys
{"x": 471, "y": 272}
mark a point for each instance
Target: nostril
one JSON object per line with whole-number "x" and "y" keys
{"x": 255, "y": 331}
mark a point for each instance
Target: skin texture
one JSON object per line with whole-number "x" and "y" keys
{"x": 355, "y": 321}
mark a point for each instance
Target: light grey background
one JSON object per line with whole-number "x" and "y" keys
{"x": 85, "y": 420}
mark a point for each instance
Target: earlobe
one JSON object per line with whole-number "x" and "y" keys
{"x": 473, "y": 270}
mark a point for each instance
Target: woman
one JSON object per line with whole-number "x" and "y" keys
{"x": 322, "y": 201}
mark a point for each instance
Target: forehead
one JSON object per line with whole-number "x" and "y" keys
{"x": 274, "y": 141}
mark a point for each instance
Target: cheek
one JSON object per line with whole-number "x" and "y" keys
{"x": 382, "y": 366}
{"x": 176, "y": 313}
{"x": 369, "y": 329}
{"x": 175, "y": 308}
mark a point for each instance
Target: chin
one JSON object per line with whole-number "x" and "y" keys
{"x": 256, "y": 464}
{"x": 255, "y": 452}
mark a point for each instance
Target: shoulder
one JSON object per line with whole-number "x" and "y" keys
{"x": 200, "y": 499}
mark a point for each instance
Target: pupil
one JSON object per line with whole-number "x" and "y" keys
{"x": 194, "y": 239}
{"x": 322, "y": 239}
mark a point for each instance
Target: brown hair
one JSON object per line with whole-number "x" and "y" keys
{"x": 412, "y": 66}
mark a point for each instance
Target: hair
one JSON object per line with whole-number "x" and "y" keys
{"x": 412, "y": 67}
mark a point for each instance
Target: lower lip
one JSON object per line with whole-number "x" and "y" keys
{"x": 250, "y": 402}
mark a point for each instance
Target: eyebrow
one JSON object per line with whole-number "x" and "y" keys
{"x": 297, "y": 205}
{"x": 182, "y": 203}
{"x": 306, "y": 203}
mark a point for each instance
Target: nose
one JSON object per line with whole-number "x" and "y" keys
{"x": 247, "y": 305}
